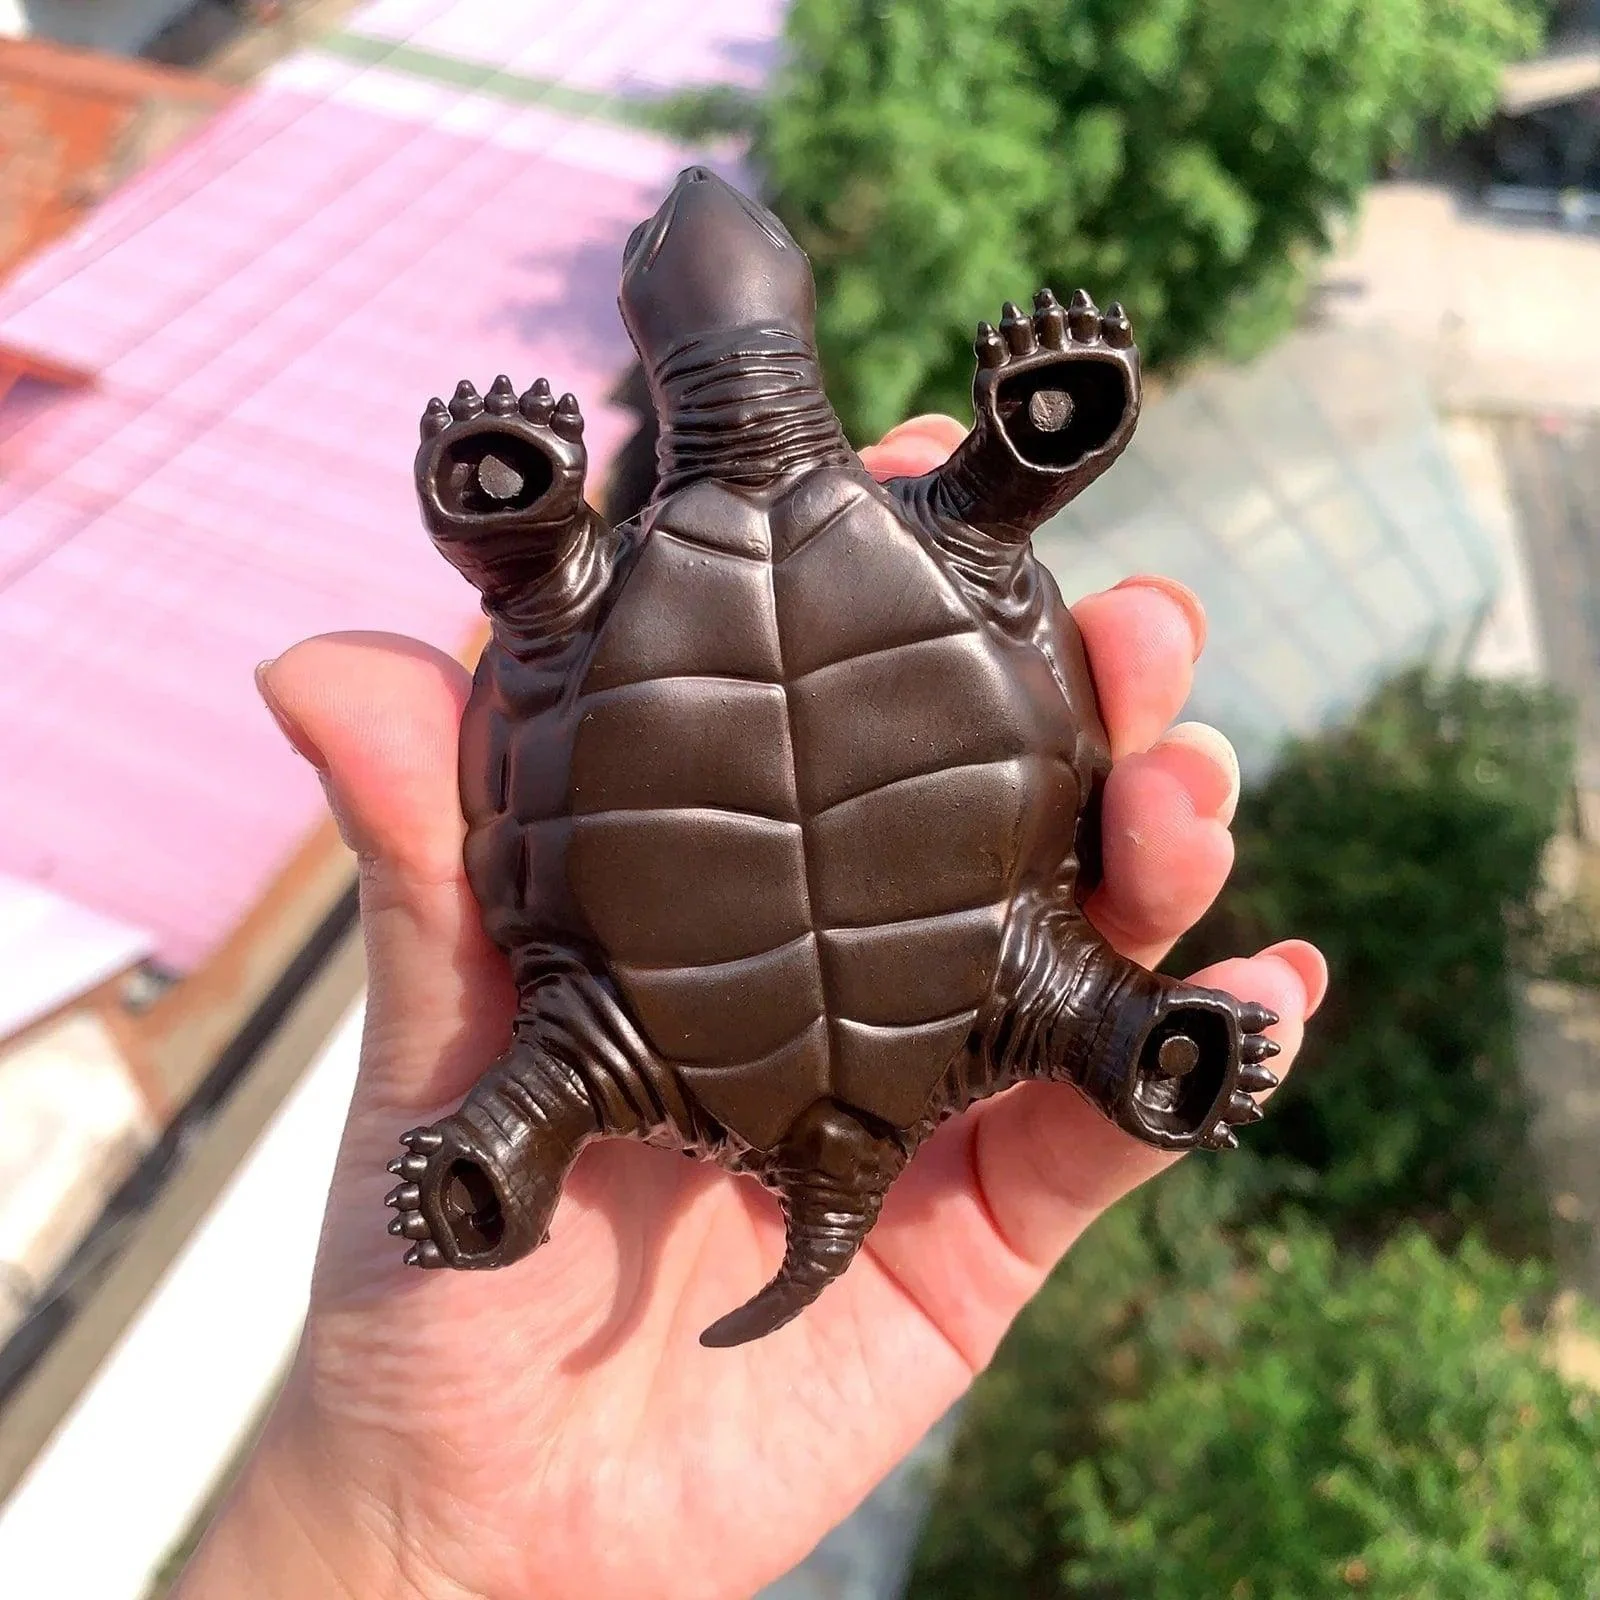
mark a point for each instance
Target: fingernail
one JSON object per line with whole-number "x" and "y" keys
{"x": 1206, "y": 741}
{"x": 1180, "y": 594}
{"x": 290, "y": 729}
{"x": 1304, "y": 957}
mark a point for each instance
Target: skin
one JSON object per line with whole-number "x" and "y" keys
{"x": 555, "y": 1431}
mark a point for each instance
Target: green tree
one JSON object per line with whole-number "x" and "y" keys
{"x": 1184, "y": 156}
{"x": 1185, "y": 1412}
{"x": 1147, "y": 1283}
{"x": 1394, "y": 1430}
{"x": 1408, "y": 846}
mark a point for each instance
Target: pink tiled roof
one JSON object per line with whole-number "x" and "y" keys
{"x": 266, "y": 311}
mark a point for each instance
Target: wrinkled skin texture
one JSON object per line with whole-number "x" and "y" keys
{"x": 784, "y": 800}
{"x": 555, "y": 1433}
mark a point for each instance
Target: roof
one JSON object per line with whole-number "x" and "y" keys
{"x": 264, "y": 313}
{"x": 64, "y": 115}
{"x": 52, "y": 951}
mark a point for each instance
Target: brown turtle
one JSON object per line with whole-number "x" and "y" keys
{"x": 783, "y": 799}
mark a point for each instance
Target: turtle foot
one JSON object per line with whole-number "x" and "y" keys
{"x": 501, "y": 463}
{"x": 1061, "y": 382}
{"x": 448, "y": 1202}
{"x": 1201, "y": 1067}
{"x": 477, "y": 1189}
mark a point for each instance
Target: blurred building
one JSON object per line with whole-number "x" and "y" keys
{"x": 73, "y": 125}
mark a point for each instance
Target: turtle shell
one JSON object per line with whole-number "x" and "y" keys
{"x": 807, "y": 778}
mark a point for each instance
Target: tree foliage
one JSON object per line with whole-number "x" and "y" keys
{"x": 1408, "y": 847}
{"x": 1183, "y": 156}
{"x": 1394, "y": 1430}
{"x": 1186, "y": 1411}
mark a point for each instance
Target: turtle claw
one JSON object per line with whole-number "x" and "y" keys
{"x": 501, "y": 400}
{"x": 1253, "y": 1017}
{"x": 989, "y": 347}
{"x": 1255, "y": 1078}
{"x": 1083, "y": 318}
{"x": 424, "y": 1139}
{"x": 425, "y": 1254}
{"x": 435, "y": 419}
{"x": 1050, "y": 320}
{"x": 1257, "y": 1047}
{"x": 1018, "y": 330}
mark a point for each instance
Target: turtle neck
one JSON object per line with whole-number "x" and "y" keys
{"x": 745, "y": 407}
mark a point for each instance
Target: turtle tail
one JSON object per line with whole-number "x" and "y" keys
{"x": 831, "y": 1175}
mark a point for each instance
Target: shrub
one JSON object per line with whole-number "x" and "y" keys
{"x": 1394, "y": 1430}
{"x": 1144, "y": 1281}
{"x": 1186, "y": 1412}
{"x": 1408, "y": 847}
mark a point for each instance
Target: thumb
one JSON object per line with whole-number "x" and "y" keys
{"x": 379, "y": 716}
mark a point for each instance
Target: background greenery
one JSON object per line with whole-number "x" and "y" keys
{"x": 1298, "y": 1370}
{"x": 1187, "y": 157}
{"x": 1192, "y": 1409}
{"x": 1408, "y": 847}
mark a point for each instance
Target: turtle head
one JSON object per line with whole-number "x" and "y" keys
{"x": 709, "y": 263}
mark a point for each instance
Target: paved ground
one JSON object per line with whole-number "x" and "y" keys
{"x": 1552, "y": 467}
{"x": 1552, "y": 472}
{"x": 1502, "y": 312}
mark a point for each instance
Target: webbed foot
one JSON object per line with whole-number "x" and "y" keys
{"x": 1062, "y": 384}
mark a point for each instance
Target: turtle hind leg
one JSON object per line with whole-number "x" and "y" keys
{"x": 478, "y": 1188}
{"x": 831, "y": 1174}
{"x": 1175, "y": 1065}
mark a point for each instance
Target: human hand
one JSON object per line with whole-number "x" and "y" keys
{"x": 556, "y": 1430}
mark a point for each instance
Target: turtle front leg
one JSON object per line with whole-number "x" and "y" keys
{"x": 500, "y": 479}
{"x": 1055, "y": 401}
{"x": 1175, "y": 1065}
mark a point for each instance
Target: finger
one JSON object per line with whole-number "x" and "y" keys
{"x": 379, "y": 716}
{"x": 1008, "y": 1188}
{"x": 1165, "y": 840}
{"x": 1143, "y": 638}
{"x": 913, "y": 448}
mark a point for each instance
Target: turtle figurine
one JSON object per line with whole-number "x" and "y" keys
{"x": 783, "y": 798}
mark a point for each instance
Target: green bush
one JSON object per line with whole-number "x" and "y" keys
{"x": 1408, "y": 847}
{"x": 1181, "y": 1413}
{"x": 1146, "y": 1282}
{"x": 1185, "y": 156}
{"x": 1393, "y": 1430}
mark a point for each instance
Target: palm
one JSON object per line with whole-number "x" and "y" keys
{"x": 556, "y": 1429}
